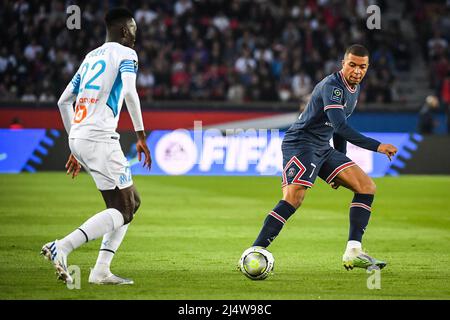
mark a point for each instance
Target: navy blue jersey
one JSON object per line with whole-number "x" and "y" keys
{"x": 332, "y": 101}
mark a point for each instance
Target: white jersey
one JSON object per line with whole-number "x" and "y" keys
{"x": 98, "y": 88}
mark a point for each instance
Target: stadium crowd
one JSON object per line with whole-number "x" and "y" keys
{"x": 227, "y": 50}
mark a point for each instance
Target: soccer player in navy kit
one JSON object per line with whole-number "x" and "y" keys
{"x": 308, "y": 154}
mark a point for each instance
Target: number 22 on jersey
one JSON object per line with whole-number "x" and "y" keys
{"x": 81, "y": 109}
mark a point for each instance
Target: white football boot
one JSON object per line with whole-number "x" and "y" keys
{"x": 106, "y": 277}
{"x": 52, "y": 252}
{"x": 357, "y": 258}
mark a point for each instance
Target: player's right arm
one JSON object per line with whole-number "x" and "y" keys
{"x": 65, "y": 105}
{"x": 65, "y": 102}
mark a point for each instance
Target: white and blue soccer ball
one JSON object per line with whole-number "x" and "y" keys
{"x": 256, "y": 263}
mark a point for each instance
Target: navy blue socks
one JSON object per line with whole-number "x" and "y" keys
{"x": 273, "y": 223}
{"x": 360, "y": 209}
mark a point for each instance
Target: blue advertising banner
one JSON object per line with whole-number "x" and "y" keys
{"x": 194, "y": 152}
{"x": 17, "y": 148}
{"x": 249, "y": 152}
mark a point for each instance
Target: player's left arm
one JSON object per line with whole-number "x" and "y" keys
{"x": 128, "y": 70}
{"x": 341, "y": 127}
{"x": 333, "y": 101}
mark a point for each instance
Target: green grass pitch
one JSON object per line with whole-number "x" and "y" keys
{"x": 190, "y": 232}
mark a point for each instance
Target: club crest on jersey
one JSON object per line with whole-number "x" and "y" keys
{"x": 337, "y": 94}
{"x": 291, "y": 172}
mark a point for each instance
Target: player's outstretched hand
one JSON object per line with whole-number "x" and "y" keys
{"x": 141, "y": 146}
{"x": 334, "y": 185}
{"x": 72, "y": 166}
{"x": 388, "y": 149}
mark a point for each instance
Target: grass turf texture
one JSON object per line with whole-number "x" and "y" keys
{"x": 190, "y": 232}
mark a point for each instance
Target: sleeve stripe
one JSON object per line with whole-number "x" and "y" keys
{"x": 123, "y": 69}
{"x": 333, "y": 106}
{"x": 76, "y": 84}
{"x": 128, "y": 66}
{"x": 127, "y": 63}
{"x": 76, "y": 80}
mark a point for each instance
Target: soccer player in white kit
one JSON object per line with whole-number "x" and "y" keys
{"x": 106, "y": 77}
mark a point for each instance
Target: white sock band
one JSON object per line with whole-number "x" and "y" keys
{"x": 353, "y": 244}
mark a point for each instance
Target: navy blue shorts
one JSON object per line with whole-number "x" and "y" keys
{"x": 303, "y": 165}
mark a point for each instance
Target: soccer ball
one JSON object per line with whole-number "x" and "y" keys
{"x": 256, "y": 263}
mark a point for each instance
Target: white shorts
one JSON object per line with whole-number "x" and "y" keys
{"x": 104, "y": 161}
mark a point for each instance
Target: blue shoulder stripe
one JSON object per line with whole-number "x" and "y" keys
{"x": 128, "y": 66}
{"x": 76, "y": 83}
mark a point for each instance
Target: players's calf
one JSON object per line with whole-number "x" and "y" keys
{"x": 293, "y": 196}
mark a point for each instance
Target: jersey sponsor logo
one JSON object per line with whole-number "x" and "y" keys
{"x": 80, "y": 113}
{"x": 337, "y": 94}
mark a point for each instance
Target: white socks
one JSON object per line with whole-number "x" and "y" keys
{"x": 103, "y": 222}
{"x": 111, "y": 242}
{"x": 352, "y": 244}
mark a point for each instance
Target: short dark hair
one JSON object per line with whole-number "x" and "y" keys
{"x": 118, "y": 15}
{"x": 357, "y": 50}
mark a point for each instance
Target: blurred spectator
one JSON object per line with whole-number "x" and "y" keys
{"x": 145, "y": 15}
{"x": 436, "y": 45}
{"x": 190, "y": 49}
{"x": 47, "y": 96}
{"x": 29, "y": 95}
{"x": 301, "y": 85}
{"x": 445, "y": 96}
{"x": 16, "y": 123}
{"x": 221, "y": 21}
{"x": 182, "y": 6}
{"x": 236, "y": 91}
{"x": 244, "y": 65}
{"x": 145, "y": 83}
{"x": 426, "y": 120}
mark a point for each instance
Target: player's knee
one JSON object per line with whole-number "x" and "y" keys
{"x": 296, "y": 203}
{"x": 298, "y": 200}
{"x": 368, "y": 187}
{"x": 127, "y": 210}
